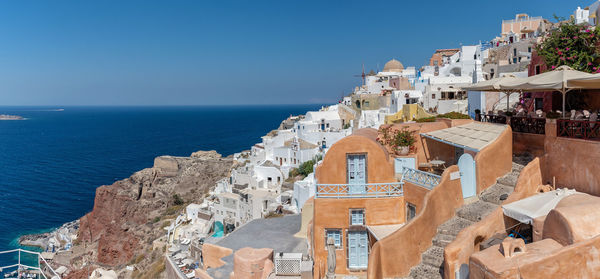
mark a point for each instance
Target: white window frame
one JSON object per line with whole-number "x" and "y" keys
{"x": 338, "y": 246}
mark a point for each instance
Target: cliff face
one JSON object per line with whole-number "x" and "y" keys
{"x": 128, "y": 215}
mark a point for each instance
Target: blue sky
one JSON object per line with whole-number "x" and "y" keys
{"x": 227, "y": 52}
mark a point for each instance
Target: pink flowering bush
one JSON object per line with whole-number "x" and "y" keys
{"x": 574, "y": 45}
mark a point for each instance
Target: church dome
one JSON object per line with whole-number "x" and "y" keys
{"x": 393, "y": 66}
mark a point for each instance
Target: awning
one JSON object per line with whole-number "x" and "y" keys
{"x": 381, "y": 231}
{"x": 527, "y": 209}
{"x": 473, "y": 136}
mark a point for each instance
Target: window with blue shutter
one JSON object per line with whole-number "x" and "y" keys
{"x": 336, "y": 234}
{"x": 357, "y": 217}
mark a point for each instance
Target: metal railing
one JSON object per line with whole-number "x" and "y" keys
{"x": 578, "y": 129}
{"x": 41, "y": 269}
{"x": 492, "y": 118}
{"x": 530, "y": 125}
{"x": 421, "y": 178}
{"x": 372, "y": 190}
{"x": 521, "y": 19}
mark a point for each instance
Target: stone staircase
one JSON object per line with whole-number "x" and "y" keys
{"x": 473, "y": 211}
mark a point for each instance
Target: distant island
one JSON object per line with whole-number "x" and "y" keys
{"x": 10, "y": 117}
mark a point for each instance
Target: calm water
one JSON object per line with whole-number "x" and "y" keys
{"x": 51, "y": 163}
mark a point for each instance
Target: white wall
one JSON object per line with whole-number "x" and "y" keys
{"x": 303, "y": 190}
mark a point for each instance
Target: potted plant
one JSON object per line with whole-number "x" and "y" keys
{"x": 404, "y": 140}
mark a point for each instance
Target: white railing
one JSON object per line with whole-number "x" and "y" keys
{"x": 421, "y": 178}
{"x": 371, "y": 190}
{"x": 42, "y": 265}
{"x": 521, "y": 19}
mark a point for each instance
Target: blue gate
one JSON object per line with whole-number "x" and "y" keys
{"x": 466, "y": 166}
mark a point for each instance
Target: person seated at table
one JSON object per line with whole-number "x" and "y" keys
{"x": 579, "y": 115}
{"x": 586, "y": 113}
{"x": 571, "y": 114}
{"x": 593, "y": 118}
{"x": 521, "y": 111}
{"x": 539, "y": 113}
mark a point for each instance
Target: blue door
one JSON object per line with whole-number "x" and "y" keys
{"x": 358, "y": 250}
{"x": 401, "y": 162}
{"x": 466, "y": 166}
{"x": 357, "y": 175}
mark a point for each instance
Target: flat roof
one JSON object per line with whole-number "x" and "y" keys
{"x": 473, "y": 136}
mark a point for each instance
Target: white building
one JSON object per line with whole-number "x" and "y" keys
{"x": 443, "y": 91}
{"x": 404, "y": 97}
{"x": 303, "y": 190}
{"x": 581, "y": 15}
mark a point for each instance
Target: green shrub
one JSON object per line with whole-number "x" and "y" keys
{"x": 574, "y": 45}
{"x": 454, "y": 115}
{"x": 177, "y": 200}
{"x": 426, "y": 119}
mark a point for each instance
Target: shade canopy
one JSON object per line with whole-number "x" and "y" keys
{"x": 557, "y": 80}
{"x": 591, "y": 82}
{"x": 527, "y": 209}
{"x": 495, "y": 84}
{"x": 473, "y": 136}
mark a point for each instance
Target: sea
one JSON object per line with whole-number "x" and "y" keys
{"x": 52, "y": 162}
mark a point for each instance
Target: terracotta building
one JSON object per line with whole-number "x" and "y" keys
{"x": 441, "y": 56}
{"x": 357, "y": 197}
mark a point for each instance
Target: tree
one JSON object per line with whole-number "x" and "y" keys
{"x": 574, "y": 45}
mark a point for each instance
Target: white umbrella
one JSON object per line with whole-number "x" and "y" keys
{"x": 187, "y": 261}
{"x": 557, "y": 80}
{"x": 496, "y": 85}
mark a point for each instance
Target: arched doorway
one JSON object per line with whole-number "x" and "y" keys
{"x": 466, "y": 166}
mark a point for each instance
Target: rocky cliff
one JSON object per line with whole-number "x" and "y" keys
{"x": 130, "y": 214}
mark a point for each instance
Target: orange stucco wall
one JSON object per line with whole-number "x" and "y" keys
{"x": 579, "y": 260}
{"x": 494, "y": 160}
{"x": 415, "y": 195}
{"x": 528, "y": 143}
{"x": 467, "y": 241}
{"x": 574, "y": 162}
{"x": 380, "y": 168}
{"x": 335, "y": 214}
{"x": 394, "y": 255}
{"x": 428, "y": 149}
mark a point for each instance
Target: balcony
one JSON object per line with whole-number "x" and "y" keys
{"x": 27, "y": 264}
{"x": 578, "y": 129}
{"x": 530, "y": 125}
{"x": 373, "y": 190}
{"x": 421, "y": 178}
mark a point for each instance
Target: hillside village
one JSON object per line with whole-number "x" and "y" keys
{"x": 466, "y": 167}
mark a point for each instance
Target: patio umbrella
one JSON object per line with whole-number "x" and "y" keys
{"x": 592, "y": 82}
{"x": 496, "y": 85}
{"x": 557, "y": 80}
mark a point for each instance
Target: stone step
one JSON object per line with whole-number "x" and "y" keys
{"x": 493, "y": 193}
{"x": 434, "y": 256}
{"x": 516, "y": 167}
{"x": 454, "y": 226}
{"x": 510, "y": 179}
{"x": 442, "y": 240}
{"x": 476, "y": 211}
{"x": 425, "y": 271}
